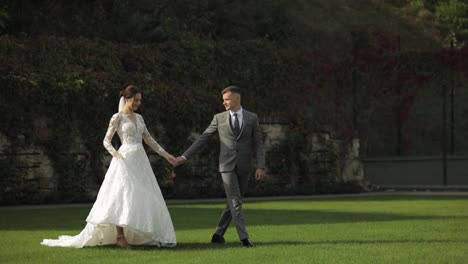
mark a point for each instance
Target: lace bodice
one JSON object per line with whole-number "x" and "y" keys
{"x": 130, "y": 133}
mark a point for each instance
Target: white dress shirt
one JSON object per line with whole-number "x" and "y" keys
{"x": 240, "y": 117}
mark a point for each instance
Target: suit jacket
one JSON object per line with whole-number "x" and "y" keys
{"x": 234, "y": 151}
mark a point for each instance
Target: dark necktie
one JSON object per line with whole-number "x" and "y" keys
{"x": 236, "y": 125}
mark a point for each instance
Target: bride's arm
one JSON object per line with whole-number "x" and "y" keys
{"x": 149, "y": 140}
{"x": 107, "y": 142}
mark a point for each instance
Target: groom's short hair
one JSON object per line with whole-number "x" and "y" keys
{"x": 232, "y": 89}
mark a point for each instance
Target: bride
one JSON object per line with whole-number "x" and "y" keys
{"x": 129, "y": 208}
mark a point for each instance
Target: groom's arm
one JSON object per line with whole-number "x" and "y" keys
{"x": 202, "y": 139}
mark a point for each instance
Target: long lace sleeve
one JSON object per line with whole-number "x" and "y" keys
{"x": 149, "y": 140}
{"x": 113, "y": 124}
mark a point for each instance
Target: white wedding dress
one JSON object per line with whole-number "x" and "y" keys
{"x": 129, "y": 196}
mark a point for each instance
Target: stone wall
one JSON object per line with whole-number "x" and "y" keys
{"x": 274, "y": 133}
{"x": 26, "y": 169}
{"x": 34, "y": 172}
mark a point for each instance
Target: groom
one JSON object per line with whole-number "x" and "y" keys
{"x": 240, "y": 140}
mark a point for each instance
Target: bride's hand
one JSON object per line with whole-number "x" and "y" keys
{"x": 117, "y": 155}
{"x": 171, "y": 160}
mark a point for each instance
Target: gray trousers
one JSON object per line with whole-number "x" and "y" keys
{"x": 235, "y": 185}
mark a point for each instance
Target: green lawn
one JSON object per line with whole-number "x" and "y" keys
{"x": 360, "y": 230}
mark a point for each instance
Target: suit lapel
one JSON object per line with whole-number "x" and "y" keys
{"x": 244, "y": 122}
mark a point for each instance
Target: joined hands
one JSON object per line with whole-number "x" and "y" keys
{"x": 180, "y": 160}
{"x": 175, "y": 161}
{"x": 172, "y": 160}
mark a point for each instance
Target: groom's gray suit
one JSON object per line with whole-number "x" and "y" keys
{"x": 235, "y": 162}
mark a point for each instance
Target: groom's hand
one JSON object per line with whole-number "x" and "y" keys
{"x": 259, "y": 174}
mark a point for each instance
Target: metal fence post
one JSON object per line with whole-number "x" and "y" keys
{"x": 444, "y": 134}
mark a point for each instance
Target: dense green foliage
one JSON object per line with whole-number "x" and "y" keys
{"x": 64, "y": 63}
{"x": 73, "y": 85}
{"x": 449, "y": 18}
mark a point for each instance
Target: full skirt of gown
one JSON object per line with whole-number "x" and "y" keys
{"x": 131, "y": 198}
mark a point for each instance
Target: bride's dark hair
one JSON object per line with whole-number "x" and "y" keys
{"x": 130, "y": 91}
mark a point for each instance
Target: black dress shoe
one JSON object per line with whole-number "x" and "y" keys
{"x": 247, "y": 243}
{"x": 217, "y": 239}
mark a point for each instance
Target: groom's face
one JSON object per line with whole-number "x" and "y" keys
{"x": 231, "y": 101}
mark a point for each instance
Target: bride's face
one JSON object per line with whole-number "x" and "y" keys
{"x": 134, "y": 102}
